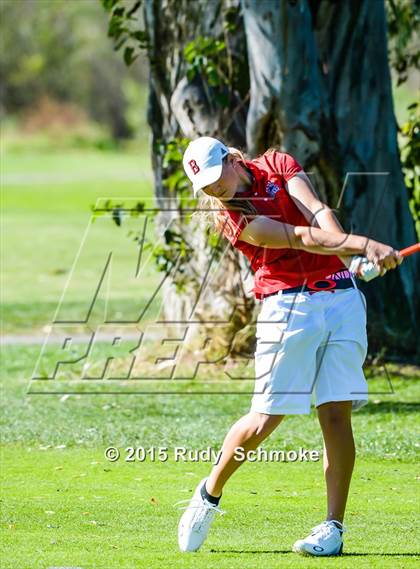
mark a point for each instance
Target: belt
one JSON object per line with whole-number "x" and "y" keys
{"x": 329, "y": 285}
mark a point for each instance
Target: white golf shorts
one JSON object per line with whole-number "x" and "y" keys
{"x": 310, "y": 346}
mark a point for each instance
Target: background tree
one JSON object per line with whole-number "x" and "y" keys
{"x": 310, "y": 77}
{"x": 59, "y": 51}
{"x": 403, "y": 18}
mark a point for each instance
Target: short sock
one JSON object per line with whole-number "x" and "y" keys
{"x": 206, "y": 496}
{"x": 340, "y": 528}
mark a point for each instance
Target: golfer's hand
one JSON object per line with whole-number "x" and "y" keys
{"x": 383, "y": 256}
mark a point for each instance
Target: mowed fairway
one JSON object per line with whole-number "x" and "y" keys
{"x": 47, "y": 199}
{"x": 65, "y": 505}
{"x": 70, "y": 508}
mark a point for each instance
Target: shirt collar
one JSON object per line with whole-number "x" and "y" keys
{"x": 260, "y": 178}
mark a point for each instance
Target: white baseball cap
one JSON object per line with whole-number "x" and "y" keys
{"x": 203, "y": 161}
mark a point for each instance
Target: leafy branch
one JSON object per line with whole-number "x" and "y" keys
{"x": 410, "y": 161}
{"x": 124, "y": 28}
{"x": 403, "y": 18}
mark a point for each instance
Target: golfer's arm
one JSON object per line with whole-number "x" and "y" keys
{"x": 317, "y": 213}
{"x": 263, "y": 231}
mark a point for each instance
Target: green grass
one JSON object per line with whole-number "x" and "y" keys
{"x": 46, "y": 200}
{"x": 37, "y": 268}
{"x": 386, "y": 428}
{"x": 64, "y": 504}
{"x": 72, "y": 508}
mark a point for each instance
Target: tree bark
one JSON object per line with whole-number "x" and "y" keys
{"x": 320, "y": 89}
{"x": 177, "y": 108}
{"x": 330, "y": 105}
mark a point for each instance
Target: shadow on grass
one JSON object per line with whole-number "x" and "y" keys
{"x": 355, "y": 554}
{"x": 389, "y": 406}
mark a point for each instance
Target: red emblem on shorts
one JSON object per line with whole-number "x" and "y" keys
{"x": 194, "y": 166}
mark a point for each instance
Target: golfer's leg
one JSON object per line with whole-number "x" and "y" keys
{"x": 248, "y": 433}
{"x": 339, "y": 454}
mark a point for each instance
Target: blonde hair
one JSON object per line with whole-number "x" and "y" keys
{"x": 211, "y": 210}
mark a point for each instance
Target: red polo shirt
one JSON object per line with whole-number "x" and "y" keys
{"x": 276, "y": 269}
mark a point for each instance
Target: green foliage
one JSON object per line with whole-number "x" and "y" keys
{"x": 212, "y": 59}
{"x": 174, "y": 253}
{"x": 39, "y": 45}
{"x": 208, "y": 58}
{"x": 118, "y": 211}
{"x": 55, "y": 136}
{"x": 135, "y": 95}
{"x": 124, "y": 28}
{"x": 410, "y": 159}
{"x": 230, "y": 17}
{"x": 403, "y": 17}
{"x": 59, "y": 50}
{"x": 174, "y": 177}
{"x": 205, "y": 56}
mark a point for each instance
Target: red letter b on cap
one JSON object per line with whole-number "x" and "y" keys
{"x": 194, "y": 166}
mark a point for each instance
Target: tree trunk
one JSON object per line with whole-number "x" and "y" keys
{"x": 323, "y": 93}
{"x": 178, "y": 107}
{"x": 320, "y": 89}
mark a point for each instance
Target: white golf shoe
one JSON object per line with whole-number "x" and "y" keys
{"x": 195, "y": 522}
{"x": 325, "y": 539}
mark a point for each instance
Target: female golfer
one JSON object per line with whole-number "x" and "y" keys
{"x": 311, "y": 330}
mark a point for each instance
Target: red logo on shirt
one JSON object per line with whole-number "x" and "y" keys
{"x": 194, "y": 166}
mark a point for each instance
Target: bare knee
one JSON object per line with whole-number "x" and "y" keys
{"x": 335, "y": 415}
{"x": 265, "y": 424}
